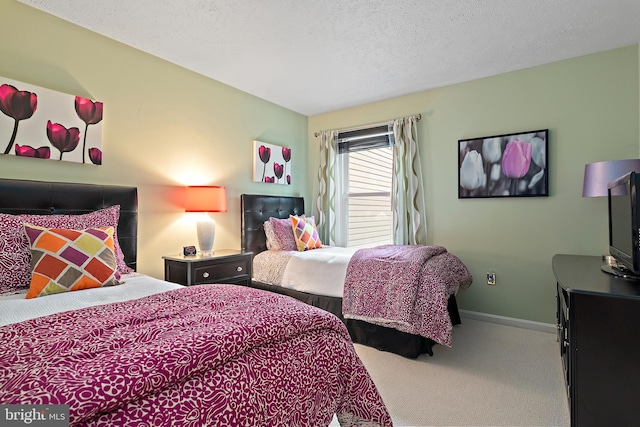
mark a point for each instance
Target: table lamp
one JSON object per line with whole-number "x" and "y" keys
{"x": 598, "y": 175}
{"x": 206, "y": 199}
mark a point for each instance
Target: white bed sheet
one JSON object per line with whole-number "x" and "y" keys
{"x": 318, "y": 271}
{"x": 15, "y": 308}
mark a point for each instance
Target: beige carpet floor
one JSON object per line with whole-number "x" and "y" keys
{"x": 493, "y": 375}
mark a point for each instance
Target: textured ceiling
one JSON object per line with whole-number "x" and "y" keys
{"x": 315, "y": 56}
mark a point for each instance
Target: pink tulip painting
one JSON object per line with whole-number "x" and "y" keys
{"x": 28, "y": 151}
{"x": 269, "y": 158}
{"x": 286, "y": 156}
{"x": 63, "y": 139}
{"x": 18, "y": 105}
{"x": 35, "y": 121}
{"x": 516, "y": 159}
{"x": 95, "y": 155}
{"x": 511, "y": 165}
{"x": 265, "y": 155}
{"x": 278, "y": 170}
{"x": 90, "y": 113}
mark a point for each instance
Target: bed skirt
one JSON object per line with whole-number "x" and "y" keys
{"x": 378, "y": 337}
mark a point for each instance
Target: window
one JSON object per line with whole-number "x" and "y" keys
{"x": 365, "y": 175}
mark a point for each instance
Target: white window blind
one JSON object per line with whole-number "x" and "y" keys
{"x": 367, "y": 172}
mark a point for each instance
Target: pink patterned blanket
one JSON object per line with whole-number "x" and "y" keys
{"x": 404, "y": 287}
{"x": 210, "y": 355}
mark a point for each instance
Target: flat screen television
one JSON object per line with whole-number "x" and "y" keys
{"x": 624, "y": 223}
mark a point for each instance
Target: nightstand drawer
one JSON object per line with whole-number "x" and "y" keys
{"x": 219, "y": 271}
{"x": 225, "y": 266}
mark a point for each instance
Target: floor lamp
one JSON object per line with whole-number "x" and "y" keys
{"x": 206, "y": 199}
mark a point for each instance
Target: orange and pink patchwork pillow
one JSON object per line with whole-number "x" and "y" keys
{"x": 65, "y": 260}
{"x": 305, "y": 233}
{"x": 15, "y": 256}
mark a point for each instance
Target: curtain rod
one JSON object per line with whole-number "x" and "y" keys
{"x": 417, "y": 116}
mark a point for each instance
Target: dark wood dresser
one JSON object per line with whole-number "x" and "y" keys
{"x": 599, "y": 336}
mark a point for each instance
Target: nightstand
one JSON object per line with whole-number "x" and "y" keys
{"x": 224, "y": 266}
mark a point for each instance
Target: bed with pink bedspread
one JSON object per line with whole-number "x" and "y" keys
{"x": 397, "y": 298}
{"x": 148, "y": 352}
{"x": 204, "y": 355}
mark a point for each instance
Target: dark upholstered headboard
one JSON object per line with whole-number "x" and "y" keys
{"x": 256, "y": 209}
{"x": 58, "y": 198}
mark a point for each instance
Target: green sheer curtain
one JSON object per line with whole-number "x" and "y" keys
{"x": 407, "y": 199}
{"x": 325, "y": 188}
{"x": 409, "y": 218}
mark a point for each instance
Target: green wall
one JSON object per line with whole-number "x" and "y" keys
{"x": 164, "y": 127}
{"x": 591, "y": 107}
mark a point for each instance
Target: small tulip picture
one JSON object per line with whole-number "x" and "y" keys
{"x": 271, "y": 163}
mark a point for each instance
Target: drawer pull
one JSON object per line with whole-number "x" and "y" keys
{"x": 205, "y": 274}
{"x": 239, "y": 269}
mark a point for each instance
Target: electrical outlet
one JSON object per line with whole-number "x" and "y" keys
{"x": 491, "y": 278}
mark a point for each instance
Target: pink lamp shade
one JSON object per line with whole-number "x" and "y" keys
{"x": 598, "y": 175}
{"x": 206, "y": 199}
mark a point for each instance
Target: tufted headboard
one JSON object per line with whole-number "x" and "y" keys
{"x": 58, "y": 198}
{"x": 256, "y": 209}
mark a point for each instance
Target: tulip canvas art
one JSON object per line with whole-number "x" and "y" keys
{"x": 46, "y": 124}
{"x": 510, "y": 165}
{"x": 271, "y": 163}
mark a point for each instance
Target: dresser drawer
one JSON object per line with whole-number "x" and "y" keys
{"x": 220, "y": 270}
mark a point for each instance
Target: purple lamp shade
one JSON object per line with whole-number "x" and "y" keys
{"x": 598, "y": 175}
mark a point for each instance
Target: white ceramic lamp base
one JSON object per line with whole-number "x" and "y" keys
{"x": 206, "y": 230}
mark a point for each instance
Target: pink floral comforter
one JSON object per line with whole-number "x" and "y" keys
{"x": 210, "y": 355}
{"x": 404, "y": 287}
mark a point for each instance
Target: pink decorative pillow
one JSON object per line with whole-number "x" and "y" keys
{"x": 283, "y": 233}
{"x": 15, "y": 256}
{"x": 272, "y": 242}
{"x": 305, "y": 233}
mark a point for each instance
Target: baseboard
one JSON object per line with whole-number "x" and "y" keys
{"x": 509, "y": 321}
